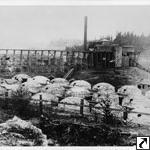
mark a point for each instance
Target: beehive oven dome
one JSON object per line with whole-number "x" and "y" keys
{"x": 31, "y": 86}
{"x": 78, "y": 92}
{"x": 81, "y": 83}
{"x": 103, "y": 86}
{"x": 72, "y": 108}
{"x": 129, "y": 90}
{"x": 41, "y": 79}
{"x": 55, "y": 89}
{"x": 46, "y": 97}
{"x": 113, "y": 98}
{"x": 60, "y": 81}
{"x": 11, "y": 89}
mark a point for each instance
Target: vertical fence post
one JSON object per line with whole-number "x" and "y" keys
{"x": 84, "y": 60}
{"x": 54, "y": 57}
{"x": 41, "y": 111}
{"x": 81, "y": 107}
{"x": 67, "y": 57}
{"x": 49, "y": 61}
{"x": 42, "y": 56}
{"x": 88, "y": 58}
{"x": 92, "y": 57}
{"x": 21, "y": 57}
{"x": 48, "y": 57}
{"x": 72, "y": 59}
{"x": 120, "y": 100}
{"x": 90, "y": 107}
{"x": 79, "y": 61}
{"x": 28, "y": 61}
{"x": 125, "y": 114}
{"x": 6, "y": 99}
{"x": 14, "y": 53}
{"x": 35, "y": 53}
{"x": 6, "y": 52}
{"x": 21, "y": 52}
{"x": 61, "y": 61}
{"x": 95, "y": 117}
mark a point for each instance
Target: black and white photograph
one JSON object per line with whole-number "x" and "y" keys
{"x": 74, "y": 75}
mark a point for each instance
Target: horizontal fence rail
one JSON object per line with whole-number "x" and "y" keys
{"x": 97, "y": 107}
{"x": 126, "y": 110}
{"x": 47, "y": 107}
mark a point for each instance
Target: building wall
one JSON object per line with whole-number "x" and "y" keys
{"x": 128, "y": 49}
{"x": 118, "y": 56}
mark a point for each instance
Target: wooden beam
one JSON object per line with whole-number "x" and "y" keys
{"x": 21, "y": 57}
{"x": 54, "y": 57}
{"x": 28, "y": 59}
{"x": 48, "y": 57}
{"x": 14, "y": 53}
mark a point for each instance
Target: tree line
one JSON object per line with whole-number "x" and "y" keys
{"x": 139, "y": 41}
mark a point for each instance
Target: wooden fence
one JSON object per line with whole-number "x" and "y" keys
{"x": 45, "y": 107}
{"x": 95, "y": 114}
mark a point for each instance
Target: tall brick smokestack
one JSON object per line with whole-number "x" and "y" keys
{"x": 85, "y": 33}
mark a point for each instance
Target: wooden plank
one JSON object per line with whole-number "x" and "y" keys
{"x": 88, "y": 59}
{"x": 82, "y": 107}
{"x": 35, "y": 59}
{"x": 35, "y": 53}
{"x": 92, "y": 57}
{"x": 28, "y": 59}
{"x": 61, "y": 55}
{"x": 42, "y": 56}
{"x": 79, "y": 60}
{"x": 75, "y": 58}
{"x": 61, "y": 61}
{"x": 41, "y": 111}
{"x": 14, "y": 54}
{"x": 87, "y": 55}
{"x": 48, "y": 57}
{"x": 72, "y": 60}
{"x": 84, "y": 57}
{"x": 6, "y": 52}
{"x": 54, "y": 57}
{"x": 21, "y": 51}
{"x": 125, "y": 114}
{"x": 67, "y": 56}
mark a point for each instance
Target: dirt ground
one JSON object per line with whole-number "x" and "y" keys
{"x": 116, "y": 77}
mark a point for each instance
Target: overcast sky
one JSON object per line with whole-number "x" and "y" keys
{"x": 36, "y": 26}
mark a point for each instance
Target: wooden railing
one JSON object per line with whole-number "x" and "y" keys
{"x": 125, "y": 110}
{"x": 43, "y": 61}
{"x": 47, "y": 61}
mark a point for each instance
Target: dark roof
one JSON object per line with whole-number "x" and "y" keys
{"x": 128, "y": 46}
